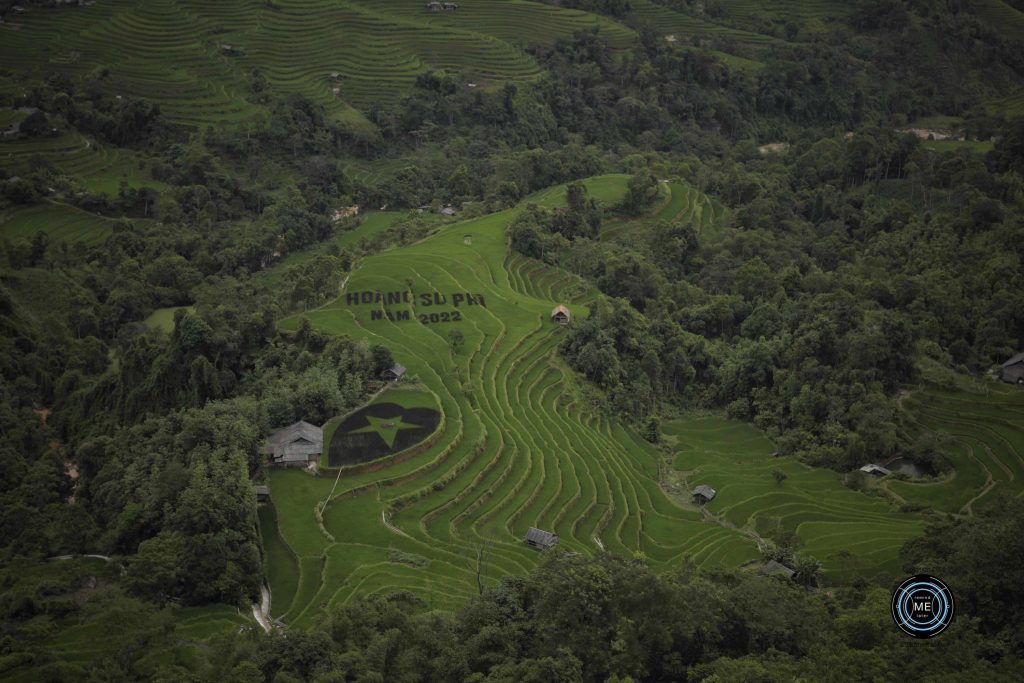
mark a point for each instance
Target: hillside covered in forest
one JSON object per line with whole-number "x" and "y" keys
{"x": 509, "y": 340}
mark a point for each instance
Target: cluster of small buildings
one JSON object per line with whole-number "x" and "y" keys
{"x": 442, "y": 6}
{"x": 345, "y": 212}
{"x": 933, "y": 133}
{"x": 446, "y": 210}
{"x": 300, "y": 444}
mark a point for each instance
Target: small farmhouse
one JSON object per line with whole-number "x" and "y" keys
{"x": 262, "y": 493}
{"x": 876, "y": 470}
{"x": 296, "y": 445}
{"x": 1013, "y": 370}
{"x": 537, "y": 538}
{"x": 771, "y": 567}
{"x": 434, "y": 6}
{"x": 703, "y": 494}
{"x": 394, "y": 373}
{"x": 561, "y": 315}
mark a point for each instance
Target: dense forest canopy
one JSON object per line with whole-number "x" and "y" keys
{"x": 847, "y": 251}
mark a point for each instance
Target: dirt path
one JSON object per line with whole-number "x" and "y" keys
{"x": 390, "y": 526}
{"x": 261, "y": 609}
{"x": 57, "y": 558}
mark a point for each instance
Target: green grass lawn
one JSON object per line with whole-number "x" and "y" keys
{"x": 979, "y": 146}
{"x": 163, "y": 318}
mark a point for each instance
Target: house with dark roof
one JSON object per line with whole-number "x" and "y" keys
{"x": 771, "y": 568}
{"x": 876, "y": 470}
{"x": 561, "y": 315}
{"x": 296, "y": 445}
{"x": 394, "y": 373}
{"x": 538, "y": 538}
{"x": 703, "y": 494}
{"x": 1012, "y": 370}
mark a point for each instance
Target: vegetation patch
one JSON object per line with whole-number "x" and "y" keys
{"x": 378, "y": 430}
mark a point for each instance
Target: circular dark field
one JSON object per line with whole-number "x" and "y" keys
{"x": 378, "y": 430}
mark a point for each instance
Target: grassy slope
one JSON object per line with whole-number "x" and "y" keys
{"x": 735, "y": 459}
{"x": 172, "y": 52}
{"x": 163, "y": 318}
{"x": 373, "y": 223}
{"x": 518, "y": 449}
{"x": 985, "y": 431}
{"x": 521, "y": 449}
{"x": 60, "y": 221}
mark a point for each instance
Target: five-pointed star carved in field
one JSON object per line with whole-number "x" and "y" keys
{"x": 385, "y": 427}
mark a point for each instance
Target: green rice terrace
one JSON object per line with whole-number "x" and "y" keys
{"x": 516, "y": 445}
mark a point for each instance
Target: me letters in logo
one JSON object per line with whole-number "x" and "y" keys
{"x": 922, "y": 606}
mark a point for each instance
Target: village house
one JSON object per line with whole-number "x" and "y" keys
{"x": 394, "y": 373}
{"x": 262, "y": 493}
{"x": 537, "y": 538}
{"x": 345, "y": 212}
{"x": 561, "y": 315}
{"x": 1013, "y": 370}
{"x": 296, "y": 445}
{"x": 876, "y": 470}
{"x": 771, "y": 568}
{"x": 703, "y": 494}
{"x": 434, "y": 6}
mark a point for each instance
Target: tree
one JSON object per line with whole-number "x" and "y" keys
{"x": 456, "y": 340}
{"x": 652, "y": 429}
{"x": 641, "y": 191}
{"x": 778, "y": 475}
{"x": 807, "y": 571}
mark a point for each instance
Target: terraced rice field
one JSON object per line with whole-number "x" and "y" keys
{"x": 850, "y": 532}
{"x": 788, "y": 10}
{"x": 99, "y": 168}
{"x": 517, "y": 446}
{"x": 61, "y": 222}
{"x": 1010, "y": 106}
{"x": 1001, "y": 16}
{"x": 685, "y": 27}
{"x": 516, "y": 21}
{"x": 372, "y": 224}
{"x": 195, "y": 58}
{"x": 985, "y": 434}
{"x": 94, "y": 635}
{"x": 682, "y": 204}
